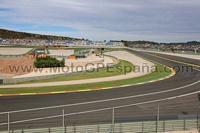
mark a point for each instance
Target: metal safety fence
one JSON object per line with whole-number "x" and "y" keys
{"x": 10, "y": 56}
{"x": 88, "y": 117}
{"x": 114, "y": 125}
{"x": 134, "y": 127}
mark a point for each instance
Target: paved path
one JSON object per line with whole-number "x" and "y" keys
{"x": 14, "y": 51}
{"x": 137, "y": 61}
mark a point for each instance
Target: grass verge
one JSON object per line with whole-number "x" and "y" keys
{"x": 109, "y": 71}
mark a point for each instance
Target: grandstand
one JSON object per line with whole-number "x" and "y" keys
{"x": 193, "y": 47}
{"x": 27, "y": 39}
{"x": 59, "y": 43}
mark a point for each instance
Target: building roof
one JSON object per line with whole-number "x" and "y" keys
{"x": 81, "y": 53}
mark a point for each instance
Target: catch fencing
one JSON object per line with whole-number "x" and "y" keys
{"x": 49, "y": 120}
{"x": 131, "y": 127}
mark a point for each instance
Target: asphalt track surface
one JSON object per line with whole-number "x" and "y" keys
{"x": 176, "y": 96}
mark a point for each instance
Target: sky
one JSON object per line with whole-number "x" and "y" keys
{"x": 152, "y": 20}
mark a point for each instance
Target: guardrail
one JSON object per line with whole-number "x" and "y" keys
{"x": 132, "y": 127}
{"x": 10, "y": 56}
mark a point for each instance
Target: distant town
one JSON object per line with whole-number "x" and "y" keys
{"x": 8, "y": 37}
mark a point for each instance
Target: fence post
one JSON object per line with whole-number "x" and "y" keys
{"x": 120, "y": 127}
{"x": 163, "y": 126}
{"x": 184, "y": 125}
{"x": 113, "y": 119}
{"x": 8, "y": 122}
{"x": 49, "y": 130}
{"x": 198, "y": 122}
{"x": 63, "y": 121}
{"x": 157, "y": 121}
{"x": 65, "y": 129}
{"x": 74, "y": 129}
{"x": 142, "y": 127}
{"x": 98, "y": 128}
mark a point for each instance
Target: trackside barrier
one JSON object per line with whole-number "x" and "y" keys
{"x": 134, "y": 127}
{"x": 10, "y": 56}
{"x": 68, "y": 118}
{"x": 183, "y": 124}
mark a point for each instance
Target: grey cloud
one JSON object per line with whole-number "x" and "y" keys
{"x": 145, "y": 17}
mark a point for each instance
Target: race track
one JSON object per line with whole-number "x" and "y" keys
{"x": 175, "y": 96}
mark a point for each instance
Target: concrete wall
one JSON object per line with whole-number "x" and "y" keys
{"x": 14, "y": 51}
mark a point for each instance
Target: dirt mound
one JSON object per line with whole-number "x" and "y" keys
{"x": 16, "y": 66}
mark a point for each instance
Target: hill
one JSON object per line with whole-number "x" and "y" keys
{"x": 8, "y": 34}
{"x": 130, "y": 43}
{"x": 193, "y": 42}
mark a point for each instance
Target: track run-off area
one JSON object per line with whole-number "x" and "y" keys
{"x": 175, "y": 96}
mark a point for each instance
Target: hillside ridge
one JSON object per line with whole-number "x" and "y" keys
{"x": 9, "y": 34}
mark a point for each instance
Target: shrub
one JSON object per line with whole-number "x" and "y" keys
{"x": 48, "y": 62}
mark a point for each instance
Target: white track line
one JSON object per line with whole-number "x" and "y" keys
{"x": 102, "y": 109}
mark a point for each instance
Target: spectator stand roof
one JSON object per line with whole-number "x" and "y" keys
{"x": 89, "y": 43}
{"x": 70, "y": 42}
{"x": 5, "y": 40}
{"x": 48, "y": 41}
{"x": 109, "y": 43}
